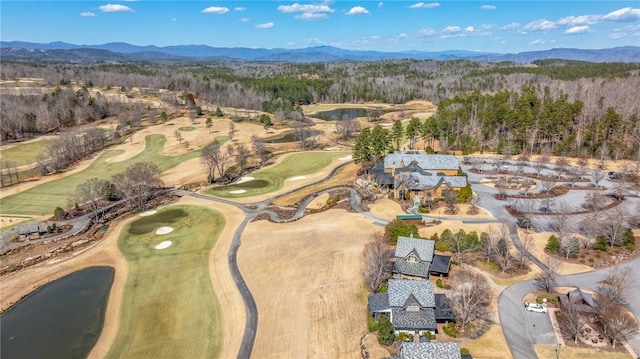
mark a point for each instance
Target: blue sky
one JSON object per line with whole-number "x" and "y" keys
{"x": 496, "y": 26}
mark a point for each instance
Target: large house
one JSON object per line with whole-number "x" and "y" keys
{"x": 415, "y": 259}
{"x": 418, "y": 175}
{"x": 427, "y": 350}
{"x": 411, "y": 306}
{"x": 582, "y": 301}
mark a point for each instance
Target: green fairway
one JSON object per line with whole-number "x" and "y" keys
{"x": 24, "y": 154}
{"x": 169, "y": 308}
{"x": 186, "y": 128}
{"x": 272, "y": 178}
{"x": 43, "y": 199}
{"x": 221, "y": 139}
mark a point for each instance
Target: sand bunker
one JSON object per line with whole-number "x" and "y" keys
{"x": 163, "y": 245}
{"x": 345, "y": 158}
{"x": 148, "y": 213}
{"x": 238, "y": 191}
{"x": 245, "y": 179}
{"x": 164, "y": 230}
{"x": 296, "y": 178}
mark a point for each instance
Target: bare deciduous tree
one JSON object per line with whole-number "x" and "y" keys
{"x": 572, "y": 320}
{"x": 242, "y": 157}
{"x": 615, "y": 286}
{"x": 91, "y": 192}
{"x": 260, "y": 148}
{"x": 137, "y": 181}
{"x": 616, "y": 323}
{"x": 547, "y": 279}
{"x": 376, "y": 263}
{"x": 470, "y": 299}
{"x": 347, "y": 127}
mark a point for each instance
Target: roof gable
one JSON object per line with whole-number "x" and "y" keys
{"x": 423, "y": 248}
{"x": 426, "y": 350}
{"x": 401, "y": 290}
{"x": 422, "y": 160}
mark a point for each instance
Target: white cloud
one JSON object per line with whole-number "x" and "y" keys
{"x": 308, "y": 8}
{"x": 215, "y": 10}
{"x": 266, "y": 25}
{"x": 617, "y": 35}
{"x": 539, "y": 25}
{"x": 115, "y": 8}
{"x": 87, "y": 14}
{"x": 580, "y": 20}
{"x": 624, "y": 14}
{"x": 314, "y": 41}
{"x": 403, "y": 35}
{"x": 421, "y": 5}
{"x": 358, "y": 10}
{"x": 511, "y": 26}
{"x": 380, "y": 5}
{"x": 244, "y": 19}
{"x": 451, "y": 29}
{"x": 536, "y": 42}
{"x": 174, "y": 19}
{"x": 487, "y": 7}
{"x": 426, "y": 32}
{"x": 577, "y": 30}
{"x": 628, "y": 28}
{"x": 311, "y": 16}
{"x": 468, "y": 29}
{"x": 240, "y": 8}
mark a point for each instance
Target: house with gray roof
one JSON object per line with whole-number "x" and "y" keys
{"x": 582, "y": 301}
{"x": 415, "y": 259}
{"x": 430, "y": 350}
{"x": 410, "y": 305}
{"x": 418, "y": 175}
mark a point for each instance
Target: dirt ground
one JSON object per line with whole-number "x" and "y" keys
{"x": 306, "y": 281}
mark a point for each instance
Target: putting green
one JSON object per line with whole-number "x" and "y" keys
{"x": 169, "y": 307}
{"x": 43, "y": 199}
{"x": 186, "y": 128}
{"x": 272, "y": 178}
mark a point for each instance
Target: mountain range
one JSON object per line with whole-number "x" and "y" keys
{"x": 121, "y": 51}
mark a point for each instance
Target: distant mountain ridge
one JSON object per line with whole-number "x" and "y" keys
{"x": 121, "y": 51}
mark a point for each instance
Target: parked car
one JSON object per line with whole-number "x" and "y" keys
{"x": 537, "y": 308}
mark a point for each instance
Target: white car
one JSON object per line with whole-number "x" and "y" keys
{"x": 533, "y": 307}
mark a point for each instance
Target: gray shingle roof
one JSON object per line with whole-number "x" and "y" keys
{"x": 378, "y": 302}
{"x": 423, "y": 247}
{"x": 399, "y": 291}
{"x": 424, "y": 160}
{"x": 430, "y": 350}
{"x": 455, "y": 181}
{"x": 440, "y": 264}
{"x": 421, "y": 320}
{"x": 416, "y": 181}
{"x": 443, "y": 311}
{"x": 413, "y": 269}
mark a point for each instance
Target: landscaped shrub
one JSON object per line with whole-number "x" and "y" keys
{"x": 423, "y": 209}
{"x": 383, "y": 288}
{"x": 451, "y": 330}
{"x": 429, "y": 150}
{"x": 629, "y": 240}
{"x": 601, "y": 244}
{"x": 385, "y": 331}
{"x": 553, "y": 245}
{"x": 464, "y": 351}
{"x": 58, "y": 213}
{"x": 371, "y": 323}
{"x": 402, "y": 336}
{"x": 439, "y": 283}
{"x": 410, "y": 336}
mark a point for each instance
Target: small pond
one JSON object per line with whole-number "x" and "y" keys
{"x": 337, "y": 114}
{"x": 289, "y": 137}
{"x": 62, "y": 319}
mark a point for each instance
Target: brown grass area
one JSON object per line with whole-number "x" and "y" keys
{"x": 540, "y": 240}
{"x": 491, "y": 345}
{"x": 386, "y": 208}
{"x": 305, "y": 279}
{"x": 549, "y": 352}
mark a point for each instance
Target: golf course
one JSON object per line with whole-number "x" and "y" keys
{"x": 55, "y": 193}
{"x": 170, "y": 309}
{"x": 271, "y": 179}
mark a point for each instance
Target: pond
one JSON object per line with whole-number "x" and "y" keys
{"x": 289, "y": 137}
{"x": 62, "y": 319}
{"x": 337, "y": 114}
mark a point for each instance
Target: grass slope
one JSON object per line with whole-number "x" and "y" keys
{"x": 272, "y": 178}
{"x": 43, "y": 199}
{"x": 169, "y": 308}
{"x": 24, "y": 154}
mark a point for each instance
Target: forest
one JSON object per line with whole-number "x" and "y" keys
{"x": 566, "y": 107}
